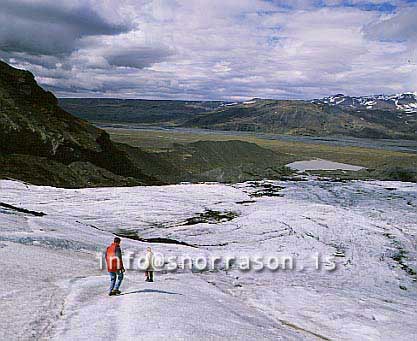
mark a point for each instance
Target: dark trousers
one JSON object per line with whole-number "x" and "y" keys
{"x": 113, "y": 277}
{"x": 149, "y": 276}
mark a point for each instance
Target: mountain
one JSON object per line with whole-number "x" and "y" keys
{"x": 136, "y": 110}
{"x": 370, "y": 117}
{"x": 406, "y": 102}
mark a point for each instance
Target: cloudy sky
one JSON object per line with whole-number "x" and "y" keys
{"x": 213, "y": 49}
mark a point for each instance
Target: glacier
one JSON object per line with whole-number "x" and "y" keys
{"x": 53, "y": 287}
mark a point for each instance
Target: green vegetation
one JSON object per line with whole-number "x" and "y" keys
{"x": 381, "y": 164}
{"x": 157, "y": 141}
{"x": 399, "y": 173}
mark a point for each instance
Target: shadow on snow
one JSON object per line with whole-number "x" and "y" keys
{"x": 150, "y": 291}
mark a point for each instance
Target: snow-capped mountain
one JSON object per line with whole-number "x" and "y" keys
{"x": 406, "y": 102}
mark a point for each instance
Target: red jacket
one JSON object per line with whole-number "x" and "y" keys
{"x": 114, "y": 258}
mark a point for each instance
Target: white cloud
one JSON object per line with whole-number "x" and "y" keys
{"x": 400, "y": 27}
{"x": 235, "y": 49}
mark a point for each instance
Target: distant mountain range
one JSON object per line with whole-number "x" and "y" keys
{"x": 380, "y": 116}
{"x": 370, "y": 117}
{"x": 136, "y": 110}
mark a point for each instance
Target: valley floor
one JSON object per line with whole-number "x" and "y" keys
{"x": 54, "y": 289}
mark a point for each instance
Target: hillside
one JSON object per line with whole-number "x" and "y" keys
{"x": 222, "y": 161}
{"x": 227, "y": 161}
{"x": 314, "y": 118}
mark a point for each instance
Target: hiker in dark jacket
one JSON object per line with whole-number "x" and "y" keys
{"x": 115, "y": 266}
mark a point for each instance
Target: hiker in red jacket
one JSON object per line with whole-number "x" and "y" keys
{"x": 115, "y": 266}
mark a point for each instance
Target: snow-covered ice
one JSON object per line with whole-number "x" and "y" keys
{"x": 54, "y": 289}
